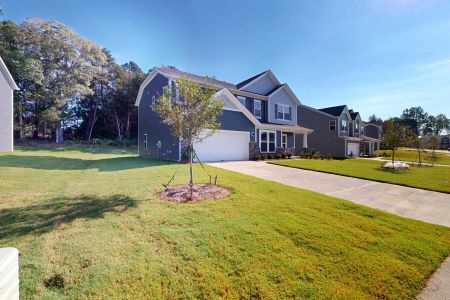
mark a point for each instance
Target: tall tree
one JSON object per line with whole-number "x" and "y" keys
{"x": 375, "y": 120}
{"x": 441, "y": 123}
{"x": 69, "y": 64}
{"x": 417, "y": 115}
{"x": 191, "y": 112}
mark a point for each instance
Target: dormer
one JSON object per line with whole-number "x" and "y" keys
{"x": 356, "y": 123}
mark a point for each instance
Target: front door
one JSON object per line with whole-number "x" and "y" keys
{"x": 284, "y": 141}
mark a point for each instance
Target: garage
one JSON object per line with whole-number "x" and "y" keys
{"x": 224, "y": 145}
{"x": 353, "y": 148}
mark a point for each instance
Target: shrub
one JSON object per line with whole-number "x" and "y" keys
{"x": 263, "y": 157}
{"x": 258, "y": 157}
{"x": 283, "y": 156}
{"x": 278, "y": 156}
{"x": 289, "y": 155}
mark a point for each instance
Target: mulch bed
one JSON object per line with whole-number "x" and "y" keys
{"x": 181, "y": 193}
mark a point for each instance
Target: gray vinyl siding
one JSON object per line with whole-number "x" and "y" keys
{"x": 373, "y": 131}
{"x": 250, "y": 105}
{"x": 290, "y": 139}
{"x": 150, "y": 123}
{"x": 261, "y": 86}
{"x": 282, "y": 97}
{"x": 6, "y": 115}
{"x": 237, "y": 121}
{"x": 322, "y": 139}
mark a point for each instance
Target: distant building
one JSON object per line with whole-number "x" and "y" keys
{"x": 443, "y": 140}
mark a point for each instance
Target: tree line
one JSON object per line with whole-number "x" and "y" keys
{"x": 69, "y": 86}
{"x": 418, "y": 121}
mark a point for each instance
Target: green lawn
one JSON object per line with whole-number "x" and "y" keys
{"x": 88, "y": 224}
{"x": 413, "y": 156}
{"x": 429, "y": 178}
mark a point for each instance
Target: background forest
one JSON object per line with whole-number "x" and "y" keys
{"x": 70, "y": 88}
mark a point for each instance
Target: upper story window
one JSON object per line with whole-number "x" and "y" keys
{"x": 257, "y": 109}
{"x": 283, "y": 112}
{"x": 356, "y": 128}
{"x": 145, "y": 141}
{"x": 344, "y": 124}
{"x": 333, "y": 125}
{"x": 241, "y": 99}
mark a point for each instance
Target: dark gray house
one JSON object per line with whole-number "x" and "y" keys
{"x": 260, "y": 116}
{"x": 337, "y": 131}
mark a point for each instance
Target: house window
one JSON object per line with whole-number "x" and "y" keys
{"x": 332, "y": 125}
{"x": 267, "y": 141}
{"x": 356, "y": 128}
{"x": 241, "y": 99}
{"x": 145, "y": 141}
{"x": 257, "y": 109}
{"x": 284, "y": 141}
{"x": 283, "y": 112}
{"x": 343, "y": 125}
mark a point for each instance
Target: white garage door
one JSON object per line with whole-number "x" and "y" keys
{"x": 353, "y": 148}
{"x": 224, "y": 145}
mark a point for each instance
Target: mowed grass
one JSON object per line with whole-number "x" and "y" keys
{"x": 429, "y": 178}
{"x": 89, "y": 224}
{"x": 413, "y": 156}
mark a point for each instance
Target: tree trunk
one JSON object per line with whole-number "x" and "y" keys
{"x": 91, "y": 127}
{"x": 191, "y": 180}
{"x": 127, "y": 131}
{"x": 21, "y": 137}
{"x": 59, "y": 134}
{"x": 118, "y": 127}
{"x": 420, "y": 159}
{"x": 393, "y": 153}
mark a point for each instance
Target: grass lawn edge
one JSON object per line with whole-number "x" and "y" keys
{"x": 360, "y": 177}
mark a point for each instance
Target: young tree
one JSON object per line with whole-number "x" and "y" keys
{"x": 191, "y": 112}
{"x": 412, "y": 140}
{"x": 433, "y": 144}
{"x": 393, "y": 135}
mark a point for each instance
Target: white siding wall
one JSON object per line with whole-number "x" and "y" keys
{"x": 6, "y": 115}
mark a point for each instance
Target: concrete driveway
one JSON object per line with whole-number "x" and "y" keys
{"x": 431, "y": 207}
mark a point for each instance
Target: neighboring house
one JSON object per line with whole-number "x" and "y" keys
{"x": 443, "y": 140}
{"x": 7, "y": 86}
{"x": 338, "y": 131}
{"x": 259, "y": 117}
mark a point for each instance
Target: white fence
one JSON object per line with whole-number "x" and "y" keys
{"x": 9, "y": 274}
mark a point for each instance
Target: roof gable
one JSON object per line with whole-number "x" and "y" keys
{"x": 334, "y": 110}
{"x": 4, "y": 70}
{"x": 262, "y": 83}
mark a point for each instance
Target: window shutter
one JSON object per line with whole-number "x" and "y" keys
{"x": 290, "y": 113}
{"x": 276, "y": 111}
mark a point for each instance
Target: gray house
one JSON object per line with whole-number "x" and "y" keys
{"x": 7, "y": 86}
{"x": 260, "y": 116}
{"x": 338, "y": 131}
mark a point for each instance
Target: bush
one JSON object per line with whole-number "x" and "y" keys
{"x": 278, "y": 156}
{"x": 283, "y": 156}
{"x": 263, "y": 157}
{"x": 258, "y": 157}
{"x": 289, "y": 155}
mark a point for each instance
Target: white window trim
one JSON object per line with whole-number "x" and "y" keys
{"x": 282, "y": 136}
{"x": 260, "y": 108}
{"x": 346, "y": 125}
{"x": 284, "y": 106}
{"x": 329, "y": 125}
{"x": 268, "y": 131}
{"x": 243, "y": 99}
{"x": 145, "y": 141}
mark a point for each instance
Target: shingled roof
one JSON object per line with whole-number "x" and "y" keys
{"x": 243, "y": 83}
{"x": 353, "y": 114}
{"x": 197, "y": 78}
{"x": 333, "y": 110}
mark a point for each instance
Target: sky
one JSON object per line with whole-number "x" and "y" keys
{"x": 378, "y": 56}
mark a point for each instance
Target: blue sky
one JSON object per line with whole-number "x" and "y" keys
{"x": 377, "y": 56}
